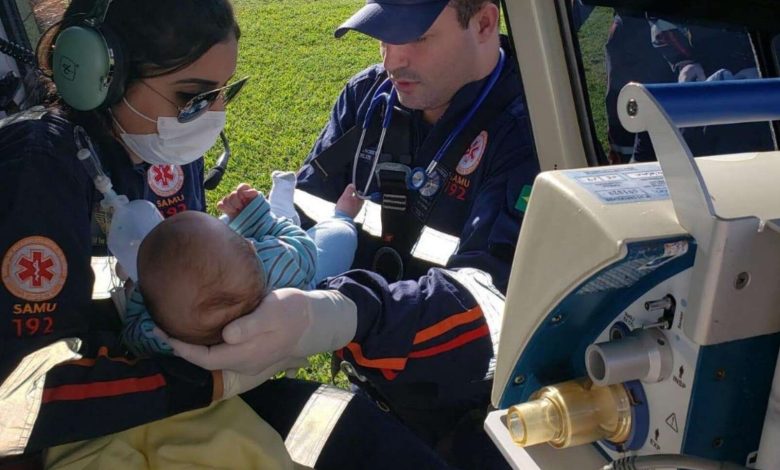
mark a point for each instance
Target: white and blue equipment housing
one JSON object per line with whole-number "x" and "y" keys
{"x": 659, "y": 280}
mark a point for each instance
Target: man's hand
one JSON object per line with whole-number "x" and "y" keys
{"x": 289, "y": 325}
{"x": 692, "y": 72}
{"x": 232, "y": 204}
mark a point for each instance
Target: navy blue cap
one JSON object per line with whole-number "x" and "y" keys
{"x": 394, "y": 21}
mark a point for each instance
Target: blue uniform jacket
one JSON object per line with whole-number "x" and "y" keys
{"x": 424, "y": 346}
{"x": 46, "y": 207}
{"x": 478, "y": 204}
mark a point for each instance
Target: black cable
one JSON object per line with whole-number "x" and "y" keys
{"x": 652, "y": 462}
{"x": 215, "y": 174}
{"x": 18, "y": 52}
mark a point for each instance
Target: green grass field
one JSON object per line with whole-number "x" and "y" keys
{"x": 592, "y": 37}
{"x": 297, "y": 69}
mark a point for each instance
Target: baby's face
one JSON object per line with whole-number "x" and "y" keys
{"x": 214, "y": 278}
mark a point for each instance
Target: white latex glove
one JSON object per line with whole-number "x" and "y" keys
{"x": 234, "y": 383}
{"x": 692, "y": 72}
{"x": 288, "y": 326}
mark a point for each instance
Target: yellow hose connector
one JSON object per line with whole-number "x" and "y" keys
{"x": 572, "y": 413}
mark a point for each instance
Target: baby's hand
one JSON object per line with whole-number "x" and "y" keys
{"x": 235, "y": 202}
{"x": 349, "y": 203}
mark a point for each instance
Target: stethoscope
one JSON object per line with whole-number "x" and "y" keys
{"x": 417, "y": 178}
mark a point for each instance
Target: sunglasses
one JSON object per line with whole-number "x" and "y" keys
{"x": 202, "y": 102}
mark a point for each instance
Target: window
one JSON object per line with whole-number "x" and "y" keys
{"x": 618, "y": 44}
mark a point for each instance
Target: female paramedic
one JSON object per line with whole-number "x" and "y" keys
{"x": 141, "y": 84}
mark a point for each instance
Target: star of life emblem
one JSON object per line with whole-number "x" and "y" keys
{"x": 470, "y": 160}
{"x": 34, "y": 269}
{"x": 165, "y": 180}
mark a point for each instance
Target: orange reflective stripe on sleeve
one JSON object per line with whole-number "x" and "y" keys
{"x": 389, "y": 366}
{"x": 395, "y": 363}
{"x": 110, "y": 388}
{"x": 389, "y": 374}
{"x": 448, "y": 324}
{"x": 102, "y": 352}
{"x": 454, "y": 343}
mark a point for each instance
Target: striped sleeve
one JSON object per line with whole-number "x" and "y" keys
{"x": 287, "y": 253}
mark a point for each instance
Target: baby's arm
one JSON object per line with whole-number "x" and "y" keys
{"x": 288, "y": 254}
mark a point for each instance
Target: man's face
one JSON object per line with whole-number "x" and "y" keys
{"x": 429, "y": 71}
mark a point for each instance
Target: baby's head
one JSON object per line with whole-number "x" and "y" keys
{"x": 196, "y": 275}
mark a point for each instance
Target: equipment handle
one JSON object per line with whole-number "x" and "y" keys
{"x": 720, "y": 102}
{"x": 662, "y": 109}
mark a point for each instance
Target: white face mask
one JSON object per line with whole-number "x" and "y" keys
{"x": 174, "y": 143}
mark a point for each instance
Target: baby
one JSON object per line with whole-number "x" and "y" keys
{"x": 196, "y": 273}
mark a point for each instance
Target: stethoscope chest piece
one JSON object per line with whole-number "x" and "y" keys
{"x": 417, "y": 179}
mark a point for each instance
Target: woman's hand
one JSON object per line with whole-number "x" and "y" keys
{"x": 288, "y": 326}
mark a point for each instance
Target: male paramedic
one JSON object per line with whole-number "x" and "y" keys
{"x": 457, "y": 151}
{"x": 438, "y": 140}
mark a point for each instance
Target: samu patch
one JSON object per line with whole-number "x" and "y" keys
{"x": 165, "y": 180}
{"x": 34, "y": 269}
{"x": 470, "y": 160}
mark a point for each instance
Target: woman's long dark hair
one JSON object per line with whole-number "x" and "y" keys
{"x": 157, "y": 37}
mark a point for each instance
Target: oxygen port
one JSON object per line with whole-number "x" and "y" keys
{"x": 572, "y": 413}
{"x": 667, "y": 306}
{"x": 644, "y": 355}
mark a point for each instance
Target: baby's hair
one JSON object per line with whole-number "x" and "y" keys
{"x": 180, "y": 255}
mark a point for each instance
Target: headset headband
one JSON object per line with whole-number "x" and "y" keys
{"x": 97, "y": 15}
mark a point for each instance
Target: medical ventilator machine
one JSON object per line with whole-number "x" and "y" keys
{"x": 642, "y": 320}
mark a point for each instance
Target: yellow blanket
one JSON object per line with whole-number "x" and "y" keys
{"x": 225, "y": 435}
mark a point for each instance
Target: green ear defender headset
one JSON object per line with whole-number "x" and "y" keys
{"x": 88, "y": 64}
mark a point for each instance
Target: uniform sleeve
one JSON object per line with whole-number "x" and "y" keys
{"x": 45, "y": 244}
{"x": 344, "y": 115}
{"x": 415, "y": 331}
{"x": 490, "y": 233}
{"x": 287, "y": 253}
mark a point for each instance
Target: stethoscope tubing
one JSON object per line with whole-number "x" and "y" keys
{"x": 381, "y": 95}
